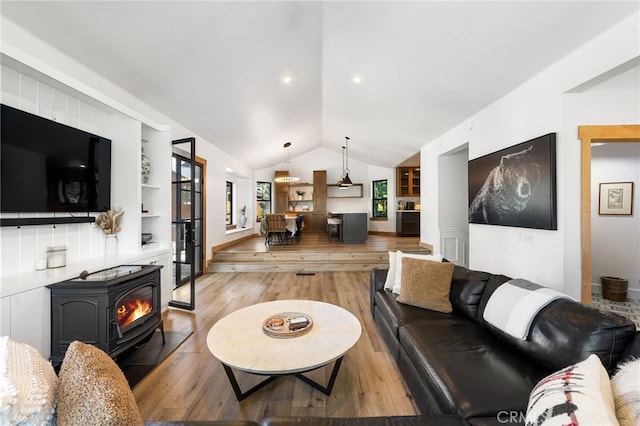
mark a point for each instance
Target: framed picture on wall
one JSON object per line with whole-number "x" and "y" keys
{"x": 616, "y": 198}
{"x": 515, "y": 186}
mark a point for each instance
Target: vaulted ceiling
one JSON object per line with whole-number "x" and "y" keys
{"x": 219, "y": 67}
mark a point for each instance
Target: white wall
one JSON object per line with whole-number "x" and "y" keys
{"x": 537, "y": 107}
{"x": 615, "y": 240}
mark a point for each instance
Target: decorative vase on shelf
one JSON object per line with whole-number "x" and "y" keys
{"x": 111, "y": 245}
{"x": 146, "y": 167}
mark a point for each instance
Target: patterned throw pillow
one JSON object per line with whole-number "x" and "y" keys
{"x": 625, "y": 386}
{"x": 578, "y": 394}
{"x": 92, "y": 390}
{"x": 27, "y": 385}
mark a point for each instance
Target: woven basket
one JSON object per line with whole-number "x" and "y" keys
{"x": 614, "y": 288}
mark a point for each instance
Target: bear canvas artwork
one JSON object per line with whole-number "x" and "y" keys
{"x": 515, "y": 186}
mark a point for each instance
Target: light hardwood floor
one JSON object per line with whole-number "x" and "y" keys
{"x": 191, "y": 383}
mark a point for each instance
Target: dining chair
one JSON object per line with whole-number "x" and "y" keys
{"x": 275, "y": 229}
{"x": 299, "y": 222}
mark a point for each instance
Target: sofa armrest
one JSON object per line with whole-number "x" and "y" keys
{"x": 376, "y": 283}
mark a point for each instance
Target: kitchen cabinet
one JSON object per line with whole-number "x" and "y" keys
{"x": 354, "y": 227}
{"x": 281, "y": 194}
{"x": 408, "y": 224}
{"x": 318, "y": 219}
{"x": 408, "y": 182}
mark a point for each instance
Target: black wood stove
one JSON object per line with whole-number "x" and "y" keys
{"x": 113, "y": 309}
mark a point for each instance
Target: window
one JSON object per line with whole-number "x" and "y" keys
{"x": 263, "y": 199}
{"x": 379, "y": 198}
{"x": 229, "y": 217}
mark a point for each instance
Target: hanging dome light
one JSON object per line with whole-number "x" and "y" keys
{"x": 289, "y": 177}
{"x": 345, "y": 181}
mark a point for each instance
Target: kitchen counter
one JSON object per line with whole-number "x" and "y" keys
{"x": 354, "y": 227}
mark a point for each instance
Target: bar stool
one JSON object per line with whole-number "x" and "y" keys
{"x": 334, "y": 224}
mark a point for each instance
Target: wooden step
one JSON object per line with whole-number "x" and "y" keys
{"x": 313, "y": 253}
{"x": 297, "y": 261}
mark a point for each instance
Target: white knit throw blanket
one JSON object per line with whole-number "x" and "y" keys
{"x": 514, "y": 305}
{"x": 27, "y": 385}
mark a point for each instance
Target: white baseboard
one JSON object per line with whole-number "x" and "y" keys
{"x": 632, "y": 293}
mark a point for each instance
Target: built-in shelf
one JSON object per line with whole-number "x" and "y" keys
{"x": 146, "y": 185}
{"x": 147, "y": 215}
{"x": 337, "y": 191}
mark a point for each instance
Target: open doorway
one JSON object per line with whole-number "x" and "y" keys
{"x": 453, "y": 205}
{"x": 588, "y": 136}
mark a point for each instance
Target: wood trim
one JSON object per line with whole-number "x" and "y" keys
{"x": 427, "y": 246}
{"x": 227, "y": 244}
{"x": 385, "y": 233}
{"x": 587, "y": 136}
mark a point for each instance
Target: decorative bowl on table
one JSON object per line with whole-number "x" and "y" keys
{"x": 146, "y": 237}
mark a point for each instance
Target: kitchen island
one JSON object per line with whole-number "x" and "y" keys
{"x": 354, "y": 227}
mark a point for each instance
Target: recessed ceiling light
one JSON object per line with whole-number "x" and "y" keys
{"x": 357, "y": 79}
{"x": 287, "y": 79}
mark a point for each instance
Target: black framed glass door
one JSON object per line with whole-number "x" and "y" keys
{"x": 186, "y": 222}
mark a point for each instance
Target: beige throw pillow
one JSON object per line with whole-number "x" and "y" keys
{"x": 92, "y": 390}
{"x": 426, "y": 284}
{"x": 397, "y": 282}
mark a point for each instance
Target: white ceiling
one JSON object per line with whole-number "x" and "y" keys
{"x": 216, "y": 66}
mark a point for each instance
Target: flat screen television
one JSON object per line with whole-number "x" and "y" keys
{"x": 50, "y": 167}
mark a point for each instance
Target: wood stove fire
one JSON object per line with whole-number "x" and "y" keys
{"x": 113, "y": 309}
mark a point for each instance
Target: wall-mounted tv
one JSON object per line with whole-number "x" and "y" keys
{"x": 50, "y": 167}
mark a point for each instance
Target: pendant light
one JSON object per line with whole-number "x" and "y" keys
{"x": 346, "y": 181}
{"x": 289, "y": 177}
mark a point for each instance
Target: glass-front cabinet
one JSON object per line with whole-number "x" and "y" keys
{"x": 408, "y": 181}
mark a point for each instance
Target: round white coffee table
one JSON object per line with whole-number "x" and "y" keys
{"x": 239, "y": 342}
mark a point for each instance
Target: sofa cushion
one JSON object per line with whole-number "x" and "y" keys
{"x": 577, "y": 394}
{"x": 92, "y": 390}
{"x": 27, "y": 385}
{"x": 625, "y": 386}
{"x": 397, "y": 314}
{"x": 426, "y": 284}
{"x": 474, "y": 372}
{"x": 399, "y": 265}
{"x": 466, "y": 290}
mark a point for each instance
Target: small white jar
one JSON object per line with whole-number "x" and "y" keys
{"x": 56, "y": 256}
